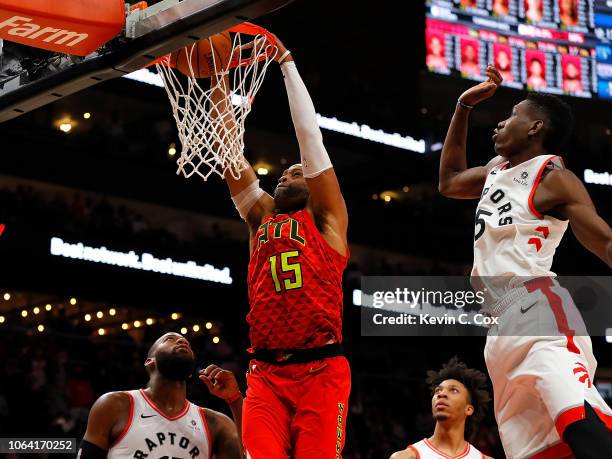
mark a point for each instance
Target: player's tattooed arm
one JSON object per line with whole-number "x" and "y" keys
{"x": 326, "y": 201}
{"x": 107, "y": 418}
{"x": 456, "y": 180}
{"x": 562, "y": 195}
{"x": 221, "y": 108}
{"x": 226, "y": 443}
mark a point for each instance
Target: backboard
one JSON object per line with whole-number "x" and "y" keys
{"x": 31, "y": 77}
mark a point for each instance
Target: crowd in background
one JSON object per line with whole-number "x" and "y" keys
{"x": 49, "y": 382}
{"x": 28, "y": 211}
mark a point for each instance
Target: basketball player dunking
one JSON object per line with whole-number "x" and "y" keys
{"x": 542, "y": 370}
{"x": 298, "y": 380}
{"x": 459, "y": 401}
{"x": 159, "y": 421}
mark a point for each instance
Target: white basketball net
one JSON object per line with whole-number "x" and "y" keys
{"x": 212, "y": 134}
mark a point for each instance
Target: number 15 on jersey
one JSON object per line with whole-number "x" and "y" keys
{"x": 283, "y": 263}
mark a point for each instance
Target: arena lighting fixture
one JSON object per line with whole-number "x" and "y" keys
{"x": 73, "y": 301}
{"x": 65, "y": 127}
{"x": 209, "y": 325}
{"x": 406, "y": 189}
{"x": 87, "y": 317}
{"x": 172, "y": 149}
{"x": 374, "y": 196}
{"x": 149, "y": 321}
{"x": 48, "y": 307}
{"x": 353, "y": 129}
{"x": 99, "y": 314}
{"x": 36, "y": 310}
{"x": 357, "y": 297}
{"x": 7, "y": 296}
{"x": 124, "y": 326}
{"x": 41, "y": 328}
{"x": 137, "y": 323}
{"x": 184, "y": 331}
{"x": 174, "y": 316}
{"x": 24, "y": 313}
{"x": 388, "y": 196}
{"x": 101, "y": 332}
{"x": 86, "y": 115}
{"x": 196, "y": 328}
{"x": 262, "y": 171}
{"x": 216, "y": 340}
{"x": 2, "y": 319}
{"x": 112, "y": 311}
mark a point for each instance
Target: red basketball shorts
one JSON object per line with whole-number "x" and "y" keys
{"x": 296, "y": 411}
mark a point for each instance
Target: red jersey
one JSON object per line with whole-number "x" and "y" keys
{"x": 295, "y": 285}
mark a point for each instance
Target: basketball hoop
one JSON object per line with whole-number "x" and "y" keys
{"x": 212, "y": 134}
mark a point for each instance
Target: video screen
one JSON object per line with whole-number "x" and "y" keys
{"x": 557, "y": 46}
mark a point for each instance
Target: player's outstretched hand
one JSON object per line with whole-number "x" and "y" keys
{"x": 281, "y": 50}
{"x": 221, "y": 383}
{"x": 484, "y": 90}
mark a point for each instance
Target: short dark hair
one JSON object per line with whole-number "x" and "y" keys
{"x": 559, "y": 119}
{"x": 474, "y": 381}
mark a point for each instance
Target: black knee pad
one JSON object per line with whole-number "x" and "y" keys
{"x": 589, "y": 438}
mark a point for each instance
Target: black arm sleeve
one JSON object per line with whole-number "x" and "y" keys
{"x": 90, "y": 451}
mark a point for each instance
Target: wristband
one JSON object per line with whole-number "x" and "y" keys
{"x": 466, "y": 106}
{"x": 234, "y": 398}
{"x": 282, "y": 58}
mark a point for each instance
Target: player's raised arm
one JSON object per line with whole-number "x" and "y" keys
{"x": 326, "y": 201}
{"x": 456, "y": 179}
{"x": 250, "y": 200}
{"x": 563, "y": 192}
{"x": 222, "y": 383}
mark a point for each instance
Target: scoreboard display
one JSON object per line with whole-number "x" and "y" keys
{"x": 558, "y": 46}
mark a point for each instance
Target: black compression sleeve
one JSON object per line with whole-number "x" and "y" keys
{"x": 88, "y": 450}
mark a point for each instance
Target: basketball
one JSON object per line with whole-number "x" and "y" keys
{"x": 198, "y": 60}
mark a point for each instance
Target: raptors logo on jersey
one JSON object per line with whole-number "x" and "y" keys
{"x": 425, "y": 450}
{"x": 295, "y": 285}
{"x": 149, "y": 434}
{"x": 512, "y": 239}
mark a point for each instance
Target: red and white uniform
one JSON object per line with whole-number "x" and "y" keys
{"x": 295, "y": 285}
{"x": 150, "y": 433}
{"x": 297, "y": 410}
{"x": 539, "y": 357}
{"x": 425, "y": 450}
{"x": 512, "y": 240}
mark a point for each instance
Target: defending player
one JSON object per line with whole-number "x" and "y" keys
{"x": 458, "y": 404}
{"x": 298, "y": 380}
{"x": 539, "y": 358}
{"x": 159, "y": 421}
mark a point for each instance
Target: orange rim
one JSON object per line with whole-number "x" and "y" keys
{"x": 245, "y": 28}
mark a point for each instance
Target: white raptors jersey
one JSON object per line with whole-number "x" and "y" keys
{"x": 151, "y": 434}
{"x": 425, "y": 450}
{"x": 512, "y": 239}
